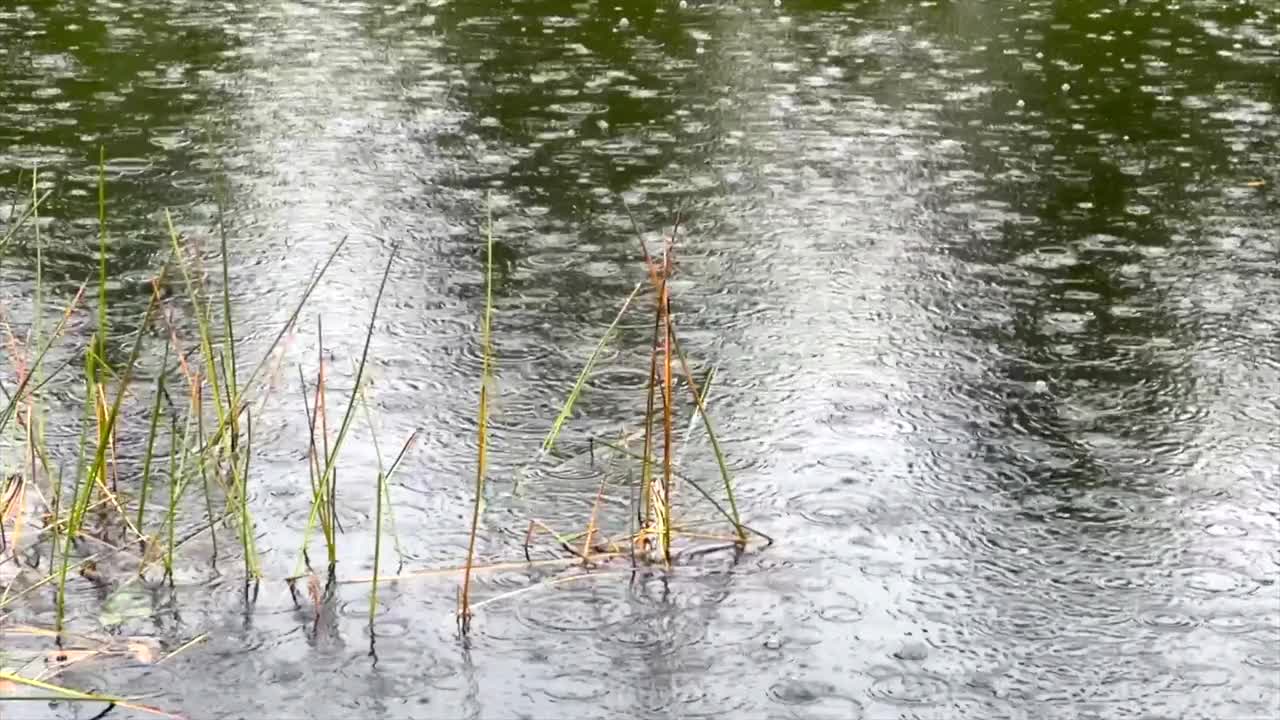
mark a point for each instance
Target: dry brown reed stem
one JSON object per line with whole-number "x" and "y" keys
{"x": 696, "y": 486}
{"x": 656, "y": 499}
{"x": 184, "y": 647}
{"x": 528, "y": 540}
{"x": 658, "y": 280}
{"x": 272, "y": 381}
{"x": 24, "y": 414}
{"x": 663, "y": 341}
{"x": 493, "y": 567}
{"x": 12, "y": 504}
{"x": 187, "y": 373}
{"x": 645, "y": 514}
{"x": 560, "y": 539}
{"x": 322, "y": 410}
{"x": 75, "y": 648}
{"x": 24, "y": 379}
{"x": 17, "y": 349}
{"x": 706, "y": 536}
{"x": 668, "y": 450}
{"x": 591, "y": 525}
{"x": 482, "y": 429}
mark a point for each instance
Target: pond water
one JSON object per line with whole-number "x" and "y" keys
{"x": 991, "y": 289}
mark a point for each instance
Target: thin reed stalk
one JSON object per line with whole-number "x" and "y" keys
{"x": 721, "y": 462}
{"x": 25, "y": 385}
{"x": 86, "y": 480}
{"x": 646, "y": 521}
{"x": 178, "y": 480}
{"x": 377, "y": 547}
{"x": 156, "y": 410}
{"x": 692, "y": 483}
{"x": 102, "y": 257}
{"x": 197, "y": 409}
{"x": 657, "y": 281}
{"x": 327, "y": 489}
{"x": 326, "y": 481}
{"x": 382, "y": 502}
{"x": 22, "y": 220}
{"x": 313, "y": 463}
{"x": 482, "y": 430}
{"x": 35, "y": 418}
{"x": 65, "y": 694}
{"x": 228, "y": 326}
{"x": 548, "y": 443}
{"x": 240, "y": 481}
{"x": 203, "y": 322}
{"x": 668, "y": 448}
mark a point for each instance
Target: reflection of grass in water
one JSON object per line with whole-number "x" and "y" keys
{"x": 199, "y": 428}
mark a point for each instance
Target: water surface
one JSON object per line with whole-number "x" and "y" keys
{"x": 992, "y": 290}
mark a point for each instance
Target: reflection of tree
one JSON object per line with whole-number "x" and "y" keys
{"x": 1093, "y": 137}
{"x": 1117, "y": 87}
{"x": 127, "y": 80}
{"x": 578, "y": 98}
{"x": 1099, "y": 139}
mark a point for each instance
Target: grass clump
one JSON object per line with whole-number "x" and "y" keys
{"x": 655, "y": 530}
{"x": 195, "y": 472}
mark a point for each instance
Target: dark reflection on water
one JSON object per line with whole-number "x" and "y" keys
{"x": 991, "y": 289}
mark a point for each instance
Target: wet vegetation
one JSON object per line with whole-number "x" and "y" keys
{"x": 75, "y": 513}
{"x": 333, "y": 366}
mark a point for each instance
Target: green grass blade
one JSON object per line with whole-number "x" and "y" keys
{"x": 711, "y": 436}
{"x": 695, "y": 485}
{"x": 240, "y": 478}
{"x": 377, "y": 550}
{"x": 153, "y": 426}
{"x": 229, "y": 337}
{"x": 103, "y": 331}
{"x": 21, "y": 222}
{"x": 297, "y": 310}
{"x": 202, "y": 320}
{"x": 104, "y": 434}
{"x": 548, "y": 443}
{"x": 331, "y": 460}
{"x": 66, "y": 694}
{"x": 387, "y": 473}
